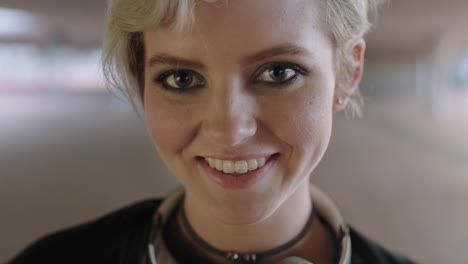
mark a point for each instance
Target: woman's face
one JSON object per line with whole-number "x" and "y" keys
{"x": 251, "y": 80}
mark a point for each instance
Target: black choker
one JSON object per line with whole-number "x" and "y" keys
{"x": 245, "y": 257}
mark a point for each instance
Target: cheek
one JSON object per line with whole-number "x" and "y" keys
{"x": 305, "y": 119}
{"x": 169, "y": 127}
{"x": 316, "y": 117}
{"x": 304, "y": 124}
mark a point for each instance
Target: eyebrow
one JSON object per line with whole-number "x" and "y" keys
{"x": 285, "y": 49}
{"x": 173, "y": 61}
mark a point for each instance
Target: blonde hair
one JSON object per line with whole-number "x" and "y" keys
{"x": 124, "y": 52}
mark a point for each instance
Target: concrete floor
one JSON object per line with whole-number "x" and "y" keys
{"x": 399, "y": 175}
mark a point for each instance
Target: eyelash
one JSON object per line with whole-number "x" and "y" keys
{"x": 161, "y": 79}
{"x": 299, "y": 72}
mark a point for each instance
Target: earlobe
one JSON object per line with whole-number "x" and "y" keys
{"x": 339, "y": 103}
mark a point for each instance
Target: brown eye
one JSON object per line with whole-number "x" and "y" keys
{"x": 280, "y": 73}
{"x": 180, "y": 80}
{"x": 276, "y": 73}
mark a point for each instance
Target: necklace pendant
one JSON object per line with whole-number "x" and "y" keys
{"x": 233, "y": 257}
{"x": 250, "y": 258}
{"x": 246, "y": 258}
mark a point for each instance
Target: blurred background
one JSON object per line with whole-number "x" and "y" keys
{"x": 70, "y": 151}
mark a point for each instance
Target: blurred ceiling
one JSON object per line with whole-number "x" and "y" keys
{"x": 79, "y": 22}
{"x": 411, "y": 26}
{"x": 404, "y": 25}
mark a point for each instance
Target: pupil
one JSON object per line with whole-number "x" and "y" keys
{"x": 183, "y": 79}
{"x": 277, "y": 73}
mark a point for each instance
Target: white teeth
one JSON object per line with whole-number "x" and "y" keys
{"x": 211, "y": 162}
{"x": 228, "y": 167}
{"x": 219, "y": 165}
{"x": 261, "y": 162}
{"x": 239, "y": 167}
{"x": 253, "y": 164}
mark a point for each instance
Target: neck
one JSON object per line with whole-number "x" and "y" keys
{"x": 287, "y": 222}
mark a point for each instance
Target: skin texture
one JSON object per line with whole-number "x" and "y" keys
{"x": 234, "y": 115}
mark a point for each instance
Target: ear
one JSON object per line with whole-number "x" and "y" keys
{"x": 350, "y": 82}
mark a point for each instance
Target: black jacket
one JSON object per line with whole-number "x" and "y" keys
{"x": 121, "y": 238}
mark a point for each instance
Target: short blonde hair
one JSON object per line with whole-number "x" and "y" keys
{"x": 124, "y": 51}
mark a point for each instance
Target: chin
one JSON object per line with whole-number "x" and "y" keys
{"x": 245, "y": 213}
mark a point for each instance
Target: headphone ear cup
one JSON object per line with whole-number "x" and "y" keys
{"x": 294, "y": 260}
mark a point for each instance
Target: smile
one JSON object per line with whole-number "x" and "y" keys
{"x": 237, "y": 167}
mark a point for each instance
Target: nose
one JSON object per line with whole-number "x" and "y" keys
{"x": 229, "y": 114}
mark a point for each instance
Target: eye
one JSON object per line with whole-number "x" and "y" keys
{"x": 279, "y": 73}
{"x": 180, "y": 80}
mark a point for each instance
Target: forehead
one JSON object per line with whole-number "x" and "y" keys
{"x": 234, "y": 28}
